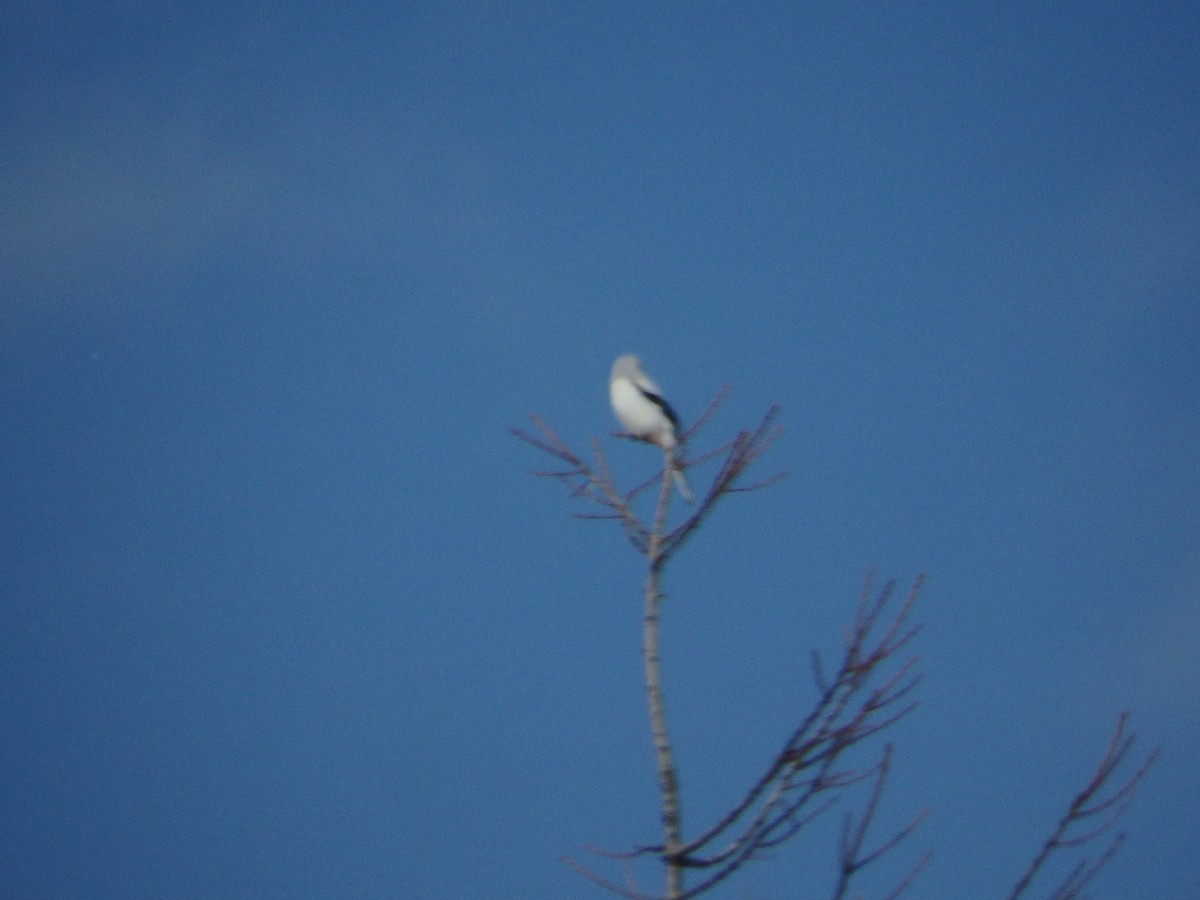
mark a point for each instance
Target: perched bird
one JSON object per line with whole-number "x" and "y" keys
{"x": 642, "y": 411}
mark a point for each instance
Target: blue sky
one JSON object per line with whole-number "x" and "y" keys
{"x": 284, "y": 613}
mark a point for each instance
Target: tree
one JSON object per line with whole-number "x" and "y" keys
{"x": 871, "y": 688}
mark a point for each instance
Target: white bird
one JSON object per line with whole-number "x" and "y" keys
{"x": 642, "y": 411}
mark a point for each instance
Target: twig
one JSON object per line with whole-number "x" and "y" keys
{"x": 1087, "y": 804}
{"x": 851, "y": 855}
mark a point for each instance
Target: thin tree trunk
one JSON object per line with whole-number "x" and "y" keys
{"x": 668, "y": 785}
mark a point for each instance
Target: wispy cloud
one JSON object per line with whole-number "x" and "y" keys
{"x": 1165, "y": 672}
{"x": 101, "y": 206}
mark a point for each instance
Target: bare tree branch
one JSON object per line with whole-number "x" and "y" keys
{"x": 1089, "y": 803}
{"x": 854, "y": 836}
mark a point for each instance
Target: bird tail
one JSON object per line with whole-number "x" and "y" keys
{"x": 681, "y": 485}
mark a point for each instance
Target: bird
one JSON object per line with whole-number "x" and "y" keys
{"x": 640, "y": 408}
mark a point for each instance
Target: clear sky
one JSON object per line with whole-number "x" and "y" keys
{"x": 284, "y": 613}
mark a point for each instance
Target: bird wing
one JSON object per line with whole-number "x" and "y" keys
{"x": 649, "y": 390}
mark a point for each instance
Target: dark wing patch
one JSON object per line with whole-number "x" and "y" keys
{"x": 664, "y": 406}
